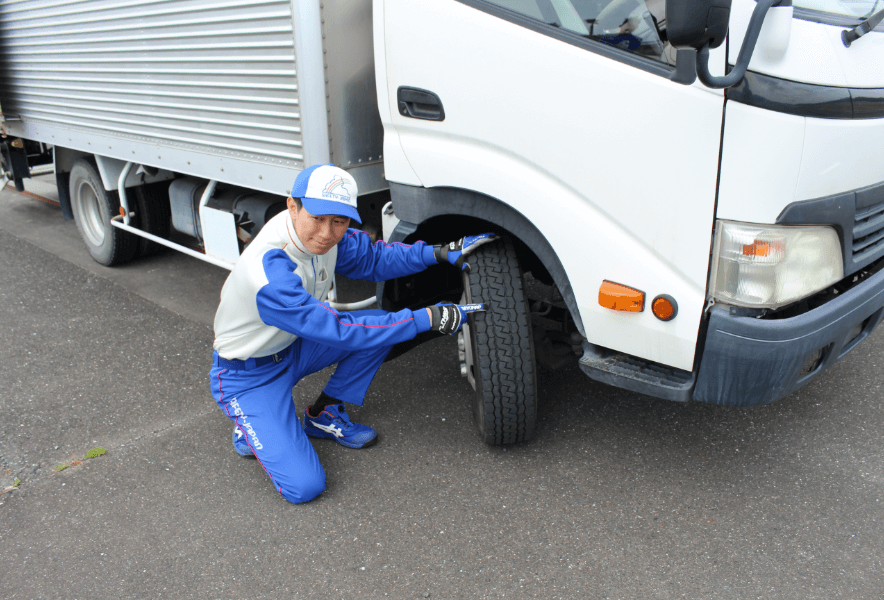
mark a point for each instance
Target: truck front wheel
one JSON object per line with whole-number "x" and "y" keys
{"x": 500, "y": 352}
{"x": 93, "y": 208}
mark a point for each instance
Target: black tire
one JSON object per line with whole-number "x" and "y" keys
{"x": 502, "y": 349}
{"x": 152, "y": 214}
{"x": 93, "y": 208}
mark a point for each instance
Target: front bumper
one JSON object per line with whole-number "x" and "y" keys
{"x": 748, "y": 361}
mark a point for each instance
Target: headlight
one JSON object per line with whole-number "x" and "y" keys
{"x": 768, "y": 266}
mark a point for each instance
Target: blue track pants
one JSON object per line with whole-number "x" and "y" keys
{"x": 260, "y": 402}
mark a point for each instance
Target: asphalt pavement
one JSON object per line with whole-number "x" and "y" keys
{"x": 617, "y": 496}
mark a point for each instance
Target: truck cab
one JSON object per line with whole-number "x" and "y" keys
{"x": 754, "y": 210}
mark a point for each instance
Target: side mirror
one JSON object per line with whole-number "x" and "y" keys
{"x": 695, "y": 26}
{"x": 690, "y": 24}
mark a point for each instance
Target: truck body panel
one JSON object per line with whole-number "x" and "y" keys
{"x": 856, "y": 164}
{"x": 545, "y": 149}
{"x": 770, "y": 160}
{"x": 760, "y": 162}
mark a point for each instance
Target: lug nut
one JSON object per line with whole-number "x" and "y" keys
{"x": 463, "y": 369}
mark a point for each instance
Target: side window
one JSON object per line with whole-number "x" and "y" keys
{"x": 527, "y": 7}
{"x": 636, "y": 26}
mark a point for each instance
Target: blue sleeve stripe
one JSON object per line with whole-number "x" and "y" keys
{"x": 335, "y": 313}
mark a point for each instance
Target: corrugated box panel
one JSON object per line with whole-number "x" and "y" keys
{"x": 213, "y": 76}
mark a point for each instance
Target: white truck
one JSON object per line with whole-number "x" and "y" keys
{"x": 691, "y": 192}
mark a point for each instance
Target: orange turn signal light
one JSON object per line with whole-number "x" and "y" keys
{"x": 762, "y": 248}
{"x": 620, "y": 297}
{"x": 664, "y": 307}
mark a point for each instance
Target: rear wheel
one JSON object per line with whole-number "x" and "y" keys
{"x": 498, "y": 346}
{"x": 93, "y": 208}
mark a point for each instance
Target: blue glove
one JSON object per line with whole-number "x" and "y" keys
{"x": 449, "y": 318}
{"x": 455, "y": 253}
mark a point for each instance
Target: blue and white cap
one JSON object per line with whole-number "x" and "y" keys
{"x": 327, "y": 190}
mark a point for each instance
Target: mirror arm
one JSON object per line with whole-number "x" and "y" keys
{"x": 746, "y": 50}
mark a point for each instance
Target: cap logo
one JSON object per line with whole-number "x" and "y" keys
{"x": 334, "y": 188}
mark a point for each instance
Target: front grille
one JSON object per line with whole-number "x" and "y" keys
{"x": 868, "y": 232}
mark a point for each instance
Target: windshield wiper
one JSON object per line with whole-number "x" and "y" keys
{"x": 850, "y": 36}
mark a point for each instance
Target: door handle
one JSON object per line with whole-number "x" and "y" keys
{"x": 419, "y": 104}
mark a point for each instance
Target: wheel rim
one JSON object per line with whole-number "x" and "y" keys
{"x": 88, "y": 209}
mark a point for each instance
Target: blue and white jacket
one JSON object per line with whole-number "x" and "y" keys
{"x": 277, "y": 292}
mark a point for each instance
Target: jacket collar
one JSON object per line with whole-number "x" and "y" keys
{"x": 294, "y": 247}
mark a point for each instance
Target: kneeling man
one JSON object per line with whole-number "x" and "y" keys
{"x": 273, "y": 327}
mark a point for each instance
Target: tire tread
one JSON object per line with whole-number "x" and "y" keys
{"x": 506, "y": 391}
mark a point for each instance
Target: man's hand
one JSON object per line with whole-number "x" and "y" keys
{"x": 456, "y": 252}
{"x": 449, "y": 318}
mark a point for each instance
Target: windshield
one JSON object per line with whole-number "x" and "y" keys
{"x": 857, "y": 9}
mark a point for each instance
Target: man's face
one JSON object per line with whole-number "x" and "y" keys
{"x": 318, "y": 233}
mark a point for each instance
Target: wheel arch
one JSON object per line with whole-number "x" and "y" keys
{"x": 440, "y": 214}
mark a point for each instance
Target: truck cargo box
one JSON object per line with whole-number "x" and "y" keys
{"x": 245, "y": 92}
